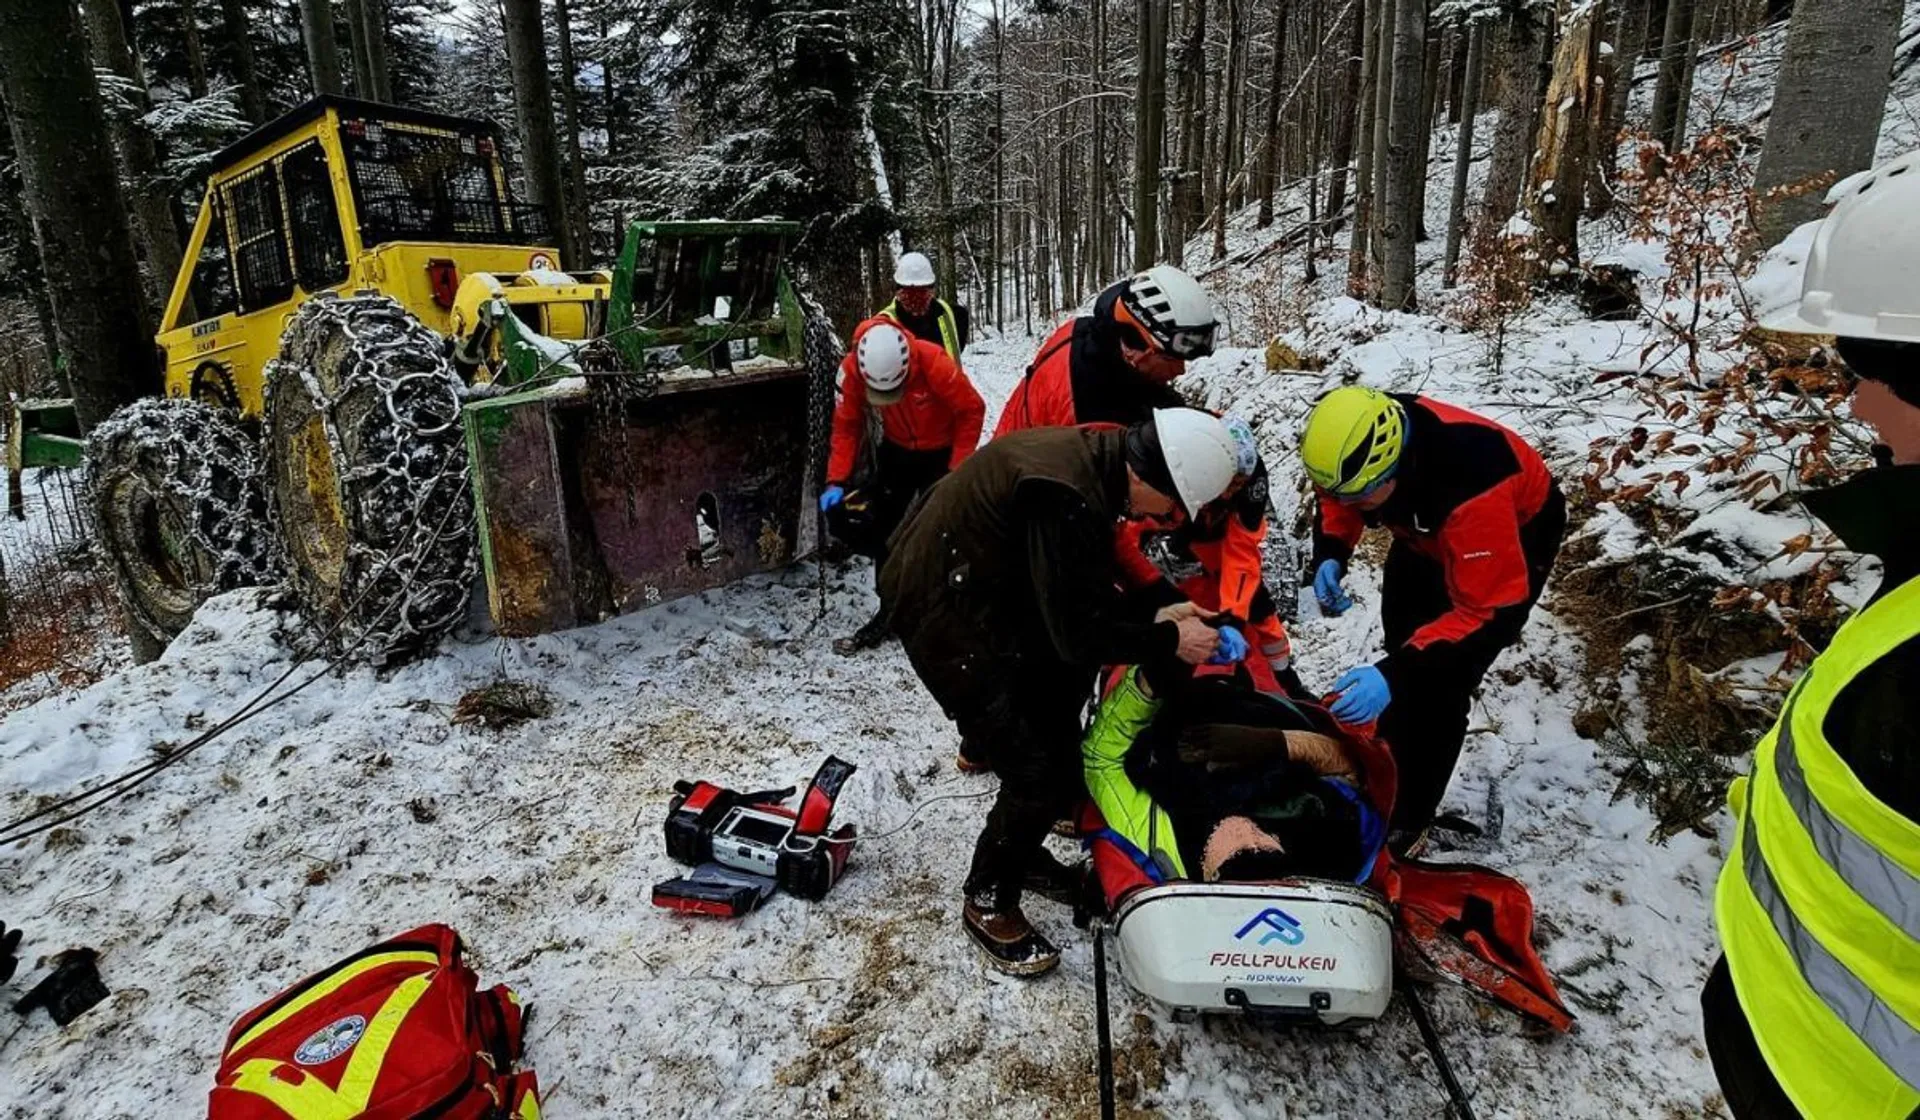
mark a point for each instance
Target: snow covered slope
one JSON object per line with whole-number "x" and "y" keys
{"x": 355, "y": 810}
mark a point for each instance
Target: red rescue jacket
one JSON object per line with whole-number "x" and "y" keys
{"x": 1466, "y": 487}
{"x": 1079, "y": 377}
{"x": 940, "y": 408}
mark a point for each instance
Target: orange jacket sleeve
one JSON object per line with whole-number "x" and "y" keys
{"x": 849, "y": 424}
{"x": 1336, "y": 529}
{"x": 1240, "y": 567}
{"x": 950, "y": 383}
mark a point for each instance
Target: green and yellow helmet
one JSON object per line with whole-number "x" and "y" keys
{"x": 1353, "y": 440}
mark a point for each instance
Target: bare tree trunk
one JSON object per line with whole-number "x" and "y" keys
{"x": 1513, "y": 135}
{"x": 1150, "y": 115}
{"x": 1359, "y": 252}
{"x": 196, "y": 53}
{"x": 533, "y": 99}
{"x": 1382, "y": 122}
{"x": 1270, "y": 159}
{"x": 1407, "y": 137}
{"x": 1350, "y": 112}
{"x": 253, "y": 100}
{"x": 1616, "y": 70}
{"x": 323, "y": 57}
{"x": 79, "y": 215}
{"x": 570, "y": 120}
{"x": 1561, "y": 168}
{"x": 1827, "y": 104}
{"x": 357, "y": 49}
{"x": 1476, "y": 36}
{"x": 1192, "y": 94}
{"x": 373, "y": 23}
{"x": 1429, "y": 95}
{"x": 151, "y": 210}
{"x": 1669, "y": 121}
{"x": 1230, "y": 93}
{"x": 1098, "y": 232}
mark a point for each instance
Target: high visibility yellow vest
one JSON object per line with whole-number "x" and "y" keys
{"x": 943, "y": 314}
{"x": 1819, "y": 903}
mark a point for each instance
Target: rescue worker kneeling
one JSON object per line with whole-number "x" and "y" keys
{"x": 1209, "y": 779}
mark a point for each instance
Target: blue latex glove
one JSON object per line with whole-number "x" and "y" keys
{"x": 1232, "y": 647}
{"x": 1361, "y": 694}
{"x": 832, "y": 496}
{"x": 1334, "y": 599}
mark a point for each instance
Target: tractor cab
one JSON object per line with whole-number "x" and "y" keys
{"x": 340, "y": 196}
{"x": 444, "y": 409}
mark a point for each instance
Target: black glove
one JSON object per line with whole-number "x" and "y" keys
{"x": 9, "y": 952}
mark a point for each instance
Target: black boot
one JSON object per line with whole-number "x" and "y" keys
{"x": 1056, "y": 881}
{"x": 1006, "y": 940}
{"x": 868, "y": 636}
{"x": 972, "y": 758}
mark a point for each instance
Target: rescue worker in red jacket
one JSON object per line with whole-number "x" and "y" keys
{"x": 1476, "y": 522}
{"x": 1117, "y": 364}
{"x": 1214, "y": 560}
{"x": 930, "y": 417}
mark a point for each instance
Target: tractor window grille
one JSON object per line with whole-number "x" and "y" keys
{"x": 413, "y": 183}
{"x": 212, "y": 283}
{"x": 319, "y": 253}
{"x": 257, "y": 229}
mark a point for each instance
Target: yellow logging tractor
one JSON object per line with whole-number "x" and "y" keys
{"x": 383, "y": 386}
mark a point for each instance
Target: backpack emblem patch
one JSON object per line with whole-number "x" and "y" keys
{"x": 331, "y": 1041}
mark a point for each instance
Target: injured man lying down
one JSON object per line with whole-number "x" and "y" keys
{"x": 1206, "y": 778}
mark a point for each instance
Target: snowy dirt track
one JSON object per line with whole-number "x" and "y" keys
{"x": 355, "y": 810}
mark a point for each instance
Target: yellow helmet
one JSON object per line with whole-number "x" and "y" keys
{"x": 1353, "y": 440}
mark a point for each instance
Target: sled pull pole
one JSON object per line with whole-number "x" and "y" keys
{"x": 1462, "y": 1108}
{"x": 1101, "y": 1030}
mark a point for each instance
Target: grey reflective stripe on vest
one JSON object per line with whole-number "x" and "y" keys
{"x": 1884, "y": 884}
{"x": 1880, "y": 1027}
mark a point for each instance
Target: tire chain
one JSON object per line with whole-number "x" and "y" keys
{"x": 210, "y": 468}
{"x": 410, "y": 588}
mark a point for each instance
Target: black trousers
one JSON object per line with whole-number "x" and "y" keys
{"x": 1029, "y": 728}
{"x": 878, "y": 498}
{"x": 1425, "y": 724}
{"x": 1745, "y": 1080}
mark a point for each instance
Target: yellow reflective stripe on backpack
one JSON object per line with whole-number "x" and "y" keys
{"x": 310, "y": 1098}
{"x": 330, "y": 985}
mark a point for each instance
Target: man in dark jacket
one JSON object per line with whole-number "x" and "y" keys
{"x": 1811, "y": 1011}
{"x": 1476, "y": 522}
{"x": 1002, "y": 585}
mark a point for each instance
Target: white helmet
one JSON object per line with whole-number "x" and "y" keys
{"x": 913, "y": 271}
{"x": 1173, "y": 309}
{"x": 881, "y": 355}
{"x": 1200, "y": 454}
{"x": 1863, "y": 275}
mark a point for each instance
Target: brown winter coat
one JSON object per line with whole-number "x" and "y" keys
{"x": 1006, "y": 569}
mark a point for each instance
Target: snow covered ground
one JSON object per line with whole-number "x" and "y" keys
{"x": 355, "y": 809}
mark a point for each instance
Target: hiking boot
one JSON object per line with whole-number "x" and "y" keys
{"x": 1056, "y": 881}
{"x": 1007, "y": 942}
{"x": 871, "y": 634}
{"x": 972, "y": 759}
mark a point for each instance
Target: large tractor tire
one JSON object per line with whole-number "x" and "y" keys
{"x": 175, "y": 491}
{"x": 367, "y": 470}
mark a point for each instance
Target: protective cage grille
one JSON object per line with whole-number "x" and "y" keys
{"x": 414, "y": 183}
{"x": 257, "y": 232}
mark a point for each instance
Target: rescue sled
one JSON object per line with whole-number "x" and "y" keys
{"x": 1311, "y": 951}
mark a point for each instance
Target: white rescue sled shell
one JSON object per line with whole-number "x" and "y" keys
{"x": 1309, "y": 950}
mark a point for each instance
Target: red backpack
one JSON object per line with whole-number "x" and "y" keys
{"x": 397, "y": 1030}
